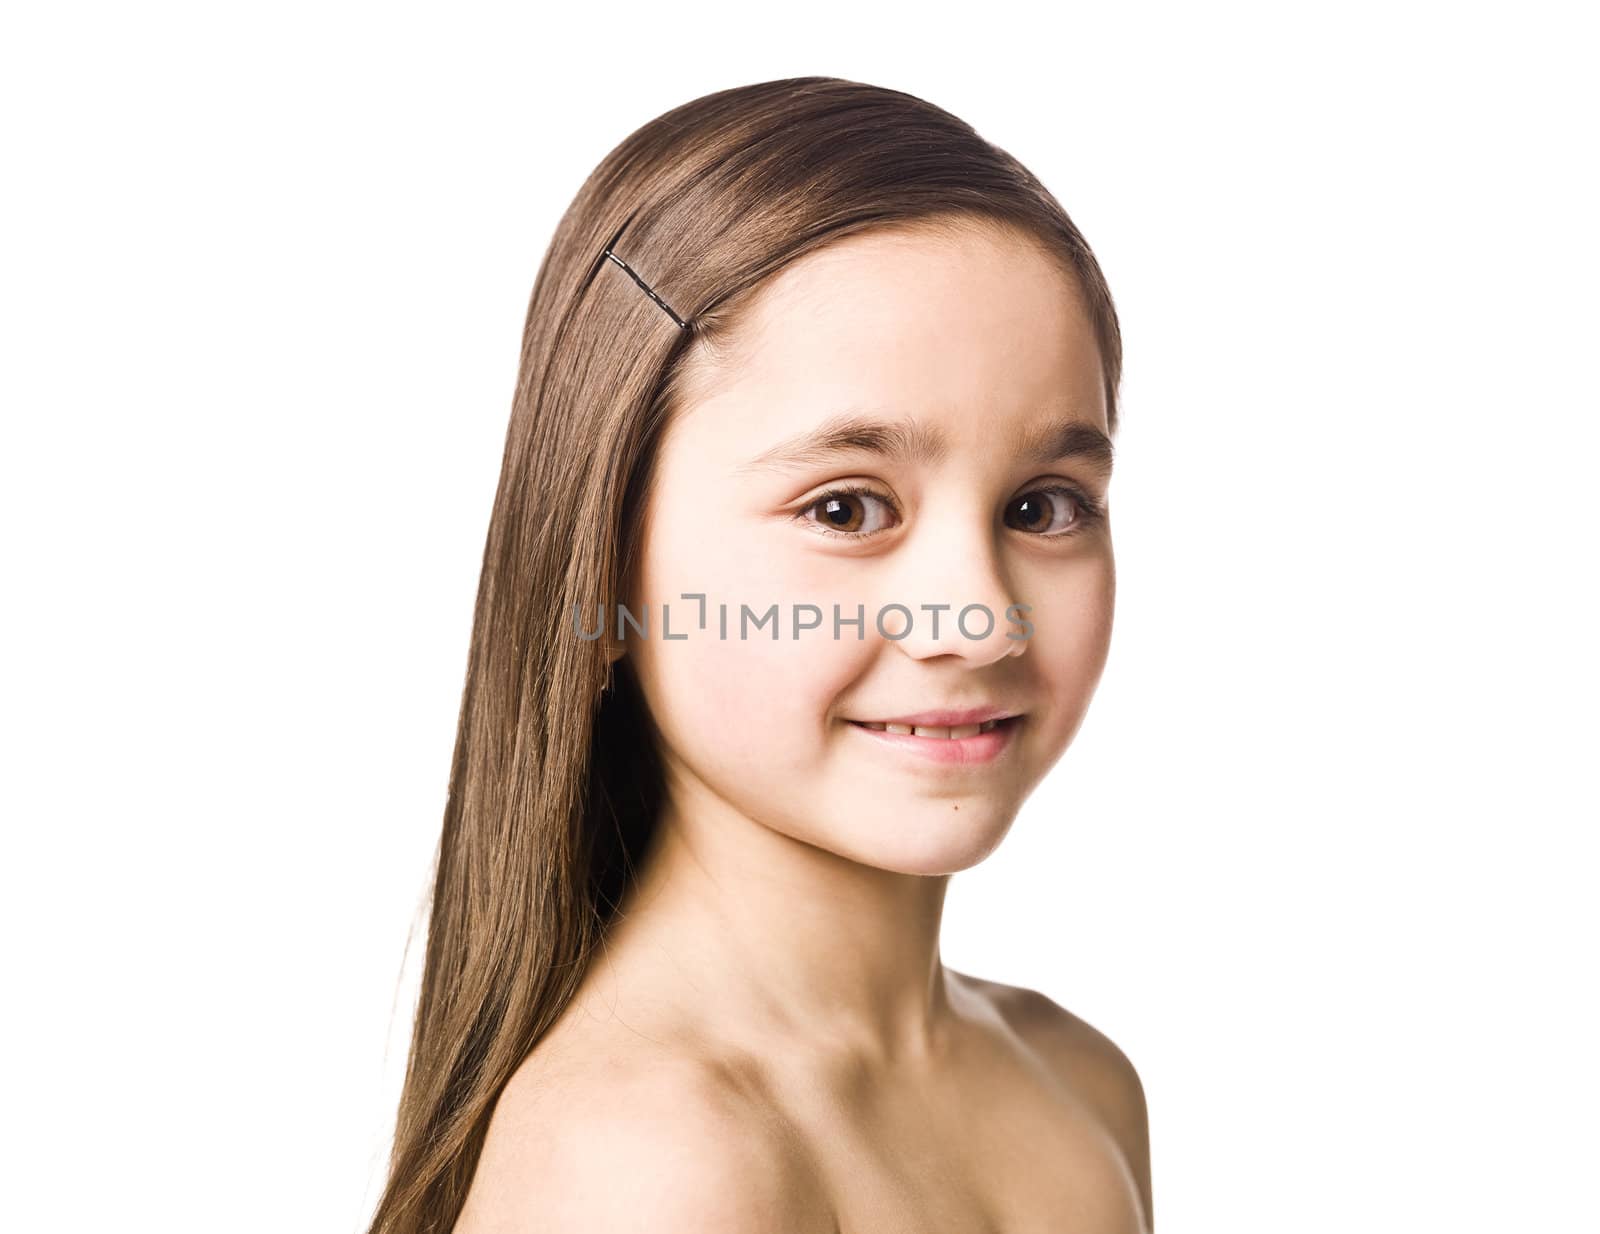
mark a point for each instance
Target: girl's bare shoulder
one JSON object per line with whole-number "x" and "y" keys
{"x": 1090, "y": 1056}
{"x": 1087, "y": 1063}
{"x": 599, "y": 1132}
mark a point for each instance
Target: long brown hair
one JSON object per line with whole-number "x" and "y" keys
{"x": 554, "y": 784}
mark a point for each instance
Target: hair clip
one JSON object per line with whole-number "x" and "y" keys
{"x": 648, "y": 290}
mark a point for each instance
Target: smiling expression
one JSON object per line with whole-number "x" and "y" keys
{"x": 904, "y": 417}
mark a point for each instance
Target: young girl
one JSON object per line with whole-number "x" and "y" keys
{"x": 799, "y": 580}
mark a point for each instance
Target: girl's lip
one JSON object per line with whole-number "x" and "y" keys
{"x": 949, "y": 717}
{"x": 959, "y": 751}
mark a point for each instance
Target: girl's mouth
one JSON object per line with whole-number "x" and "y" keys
{"x": 966, "y": 745}
{"x": 905, "y": 730}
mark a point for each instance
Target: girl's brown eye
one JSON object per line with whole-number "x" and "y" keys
{"x": 840, "y": 516}
{"x": 1054, "y": 510}
{"x": 847, "y": 512}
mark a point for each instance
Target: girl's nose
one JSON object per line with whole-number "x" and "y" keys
{"x": 958, "y": 594}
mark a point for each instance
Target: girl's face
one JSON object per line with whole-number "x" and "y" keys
{"x": 972, "y": 385}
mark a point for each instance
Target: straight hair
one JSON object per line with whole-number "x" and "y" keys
{"x": 555, "y": 784}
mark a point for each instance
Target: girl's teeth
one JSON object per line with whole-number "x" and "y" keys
{"x": 906, "y": 730}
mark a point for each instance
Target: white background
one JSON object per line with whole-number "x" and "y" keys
{"x": 1319, "y": 860}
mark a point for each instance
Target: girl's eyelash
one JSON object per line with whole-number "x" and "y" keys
{"x": 1090, "y": 512}
{"x": 847, "y": 490}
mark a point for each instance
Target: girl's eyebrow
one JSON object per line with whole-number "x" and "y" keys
{"x": 906, "y": 441}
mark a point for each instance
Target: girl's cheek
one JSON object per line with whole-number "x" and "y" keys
{"x": 751, "y": 695}
{"x": 1070, "y": 646}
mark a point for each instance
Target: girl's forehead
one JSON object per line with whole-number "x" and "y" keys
{"x": 978, "y": 331}
{"x": 879, "y": 291}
